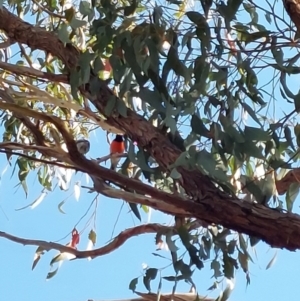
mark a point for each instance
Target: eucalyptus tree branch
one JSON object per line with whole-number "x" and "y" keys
{"x": 61, "y": 78}
{"x": 34, "y": 159}
{"x": 167, "y": 297}
{"x": 208, "y": 202}
{"x": 105, "y": 158}
{"x": 53, "y": 151}
{"x": 118, "y": 241}
{"x": 28, "y": 71}
{"x": 46, "y": 10}
{"x": 293, "y": 9}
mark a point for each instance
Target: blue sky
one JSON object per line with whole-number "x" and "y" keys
{"x": 108, "y": 277}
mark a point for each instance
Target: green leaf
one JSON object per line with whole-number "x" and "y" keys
{"x": 276, "y": 51}
{"x": 85, "y": 66}
{"x": 231, "y": 246}
{"x": 150, "y": 275}
{"x": 243, "y": 260}
{"x": 135, "y": 210}
{"x": 133, "y": 283}
{"x": 60, "y": 206}
{"x": 185, "y": 270}
{"x": 243, "y": 244}
{"x": 129, "y": 10}
{"x": 198, "y": 126}
{"x": 170, "y": 243}
{"x": 250, "y": 111}
{"x": 59, "y": 257}
{"x": 25, "y": 188}
{"x": 228, "y": 266}
{"x": 256, "y": 134}
{"x": 173, "y": 278}
{"x": 92, "y": 236}
{"x": 36, "y": 202}
{"x": 196, "y": 18}
{"x": 257, "y": 35}
{"x": 142, "y": 161}
{"x": 85, "y": 8}
{"x": 205, "y": 248}
{"x": 63, "y": 33}
{"x": 153, "y": 98}
{"x": 175, "y": 174}
{"x": 176, "y": 64}
{"x": 216, "y": 267}
{"x": 182, "y": 160}
{"x": 288, "y": 137}
{"x": 110, "y": 106}
{"x": 193, "y": 252}
{"x": 121, "y": 108}
{"x": 51, "y": 274}
{"x": 76, "y": 23}
{"x": 206, "y": 162}
{"x": 291, "y": 195}
{"x": 236, "y": 135}
{"x": 268, "y": 17}
{"x": 272, "y": 261}
{"x": 297, "y": 101}
{"x": 37, "y": 256}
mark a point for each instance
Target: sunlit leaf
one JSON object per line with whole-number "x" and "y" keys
{"x": 272, "y": 261}
{"x": 35, "y": 203}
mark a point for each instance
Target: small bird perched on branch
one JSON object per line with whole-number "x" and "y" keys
{"x": 83, "y": 146}
{"x": 117, "y": 146}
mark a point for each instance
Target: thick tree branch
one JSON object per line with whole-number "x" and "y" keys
{"x": 210, "y": 203}
{"x": 293, "y": 9}
{"x": 253, "y": 219}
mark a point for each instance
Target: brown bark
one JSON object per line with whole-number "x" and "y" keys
{"x": 293, "y": 9}
{"x": 209, "y": 203}
{"x": 165, "y": 297}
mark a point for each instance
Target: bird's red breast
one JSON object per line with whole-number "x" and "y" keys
{"x": 117, "y": 145}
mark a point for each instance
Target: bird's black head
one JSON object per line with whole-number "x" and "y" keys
{"x": 119, "y": 138}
